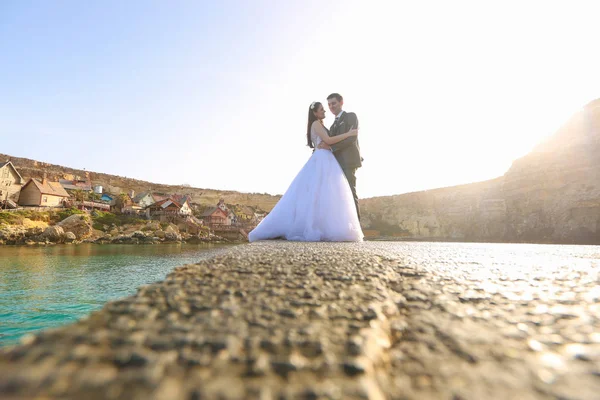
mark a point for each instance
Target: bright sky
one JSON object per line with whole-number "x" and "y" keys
{"x": 215, "y": 94}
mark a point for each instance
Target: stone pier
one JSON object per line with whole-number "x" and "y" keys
{"x": 282, "y": 320}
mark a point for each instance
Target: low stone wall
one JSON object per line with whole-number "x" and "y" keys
{"x": 286, "y": 320}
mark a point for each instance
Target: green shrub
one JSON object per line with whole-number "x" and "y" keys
{"x": 60, "y": 215}
{"x": 106, "y": 218}
{"x": 10, "y": 218}
{"x": 16, "y": 217}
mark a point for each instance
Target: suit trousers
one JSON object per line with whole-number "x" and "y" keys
{"x": 351, "y": 177}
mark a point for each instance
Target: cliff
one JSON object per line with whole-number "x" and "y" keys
{"x": 552, "y": 195}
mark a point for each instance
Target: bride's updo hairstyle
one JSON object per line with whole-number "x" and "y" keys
{"x": 311, "y": 118}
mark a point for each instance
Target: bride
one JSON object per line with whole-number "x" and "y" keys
{"x": 318, "y": 205}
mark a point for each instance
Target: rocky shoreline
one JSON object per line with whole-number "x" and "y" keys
{"x": 78, "y": 229}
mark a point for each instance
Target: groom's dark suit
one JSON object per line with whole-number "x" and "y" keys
{"x": 347, "y": 152}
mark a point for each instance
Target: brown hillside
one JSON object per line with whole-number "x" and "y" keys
{"x": 118, "y": 184}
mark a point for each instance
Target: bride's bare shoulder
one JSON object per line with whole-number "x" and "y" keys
{"x": 317, "y": 125}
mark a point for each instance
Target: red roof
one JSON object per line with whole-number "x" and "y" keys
{"x": 158, "y": 197}
{"x": 160, "y": 204}
{"x": 181, "y": 198}
{"x": 211, "y": 211}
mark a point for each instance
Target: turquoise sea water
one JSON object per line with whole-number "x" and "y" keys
{"x": 42, "y": 287}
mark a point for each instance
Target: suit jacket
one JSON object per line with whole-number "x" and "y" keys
{"x": 347, "y": 152}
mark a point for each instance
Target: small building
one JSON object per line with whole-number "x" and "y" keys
{"x": 85, "y": 185}
{"x": 221, "y": 204}
{"x": 245, "y": 214}
{"x": 215, "y": 216}
{"x": 98, "y": 189}
{"x": 123, "y": 203}
{"x": 232, "y": 218}
{"x": 131, "y": 209}
{"x": 10, "y": 182}
{"x": 259, "y": 216}
{"x": 42, "y": 194}
{"x": 146, "y": 199}
{"x": 169, "y": 206}
{"x": 186, "y": 209}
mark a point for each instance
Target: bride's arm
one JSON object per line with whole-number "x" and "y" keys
{"x": 352, "y": 120}
{"x": 320, "y": 129}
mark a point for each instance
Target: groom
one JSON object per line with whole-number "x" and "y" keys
{"x": 347, "y": 152}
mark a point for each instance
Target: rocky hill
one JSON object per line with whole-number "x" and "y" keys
{"x": 552, "y": 195}
{"x": 118, "y": 184}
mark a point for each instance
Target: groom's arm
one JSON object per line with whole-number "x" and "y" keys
{"x": 352, "y": 120}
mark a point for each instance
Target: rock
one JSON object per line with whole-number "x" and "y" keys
{"x": 32, "y": 232}
{"x": 11, "y": 234}
{"x": 172, "y": 228}
{"x": 70, "y": 237}
{"x": 153, "y": 225}
{"x": 79, "y": 224}
{"x": 97, "y": 233}
{"x": 124, "y": 239}
{"x": 354, "y": 367}
{"x": 138, "y": 235}
{"x": 159, "y": 234}
{"x": 19, "y": 234}
{"x": 172, "y": 236}
{"x": 195, "y": 240}
{"x": 53, "y": 233}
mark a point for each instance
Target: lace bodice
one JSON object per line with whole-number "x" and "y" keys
{"x": 316, "y": 139}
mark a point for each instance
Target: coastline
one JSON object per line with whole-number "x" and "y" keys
{"x": 73, "y": 227}
{"x": 124, "y": 239}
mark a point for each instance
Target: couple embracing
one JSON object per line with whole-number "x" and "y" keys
{"x": 321, "y": 203}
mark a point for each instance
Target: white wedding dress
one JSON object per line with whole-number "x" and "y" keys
{"x": 317, "y": 207}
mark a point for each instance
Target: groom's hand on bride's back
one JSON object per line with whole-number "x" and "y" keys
{"x": 324, "y": 146}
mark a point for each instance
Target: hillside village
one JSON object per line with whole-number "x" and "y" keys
{"x": 105, "y": 210}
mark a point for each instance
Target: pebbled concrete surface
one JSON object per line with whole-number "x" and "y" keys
{"x": 368, "y": 320}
